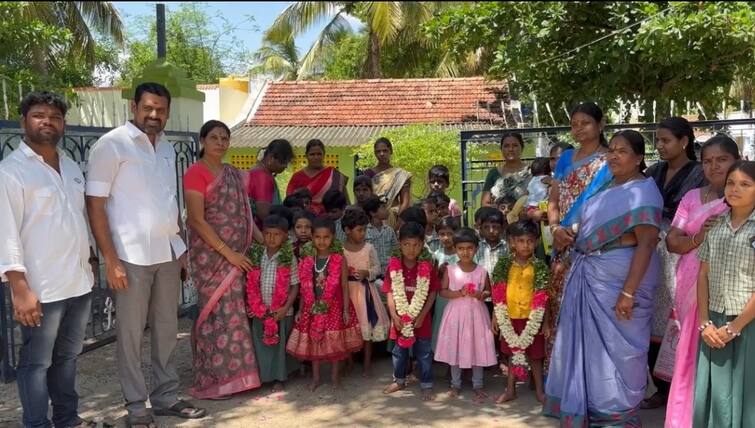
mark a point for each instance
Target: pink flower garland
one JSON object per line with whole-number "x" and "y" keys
{"x": 256, "y": 305}
{"x": 319, "y": 307}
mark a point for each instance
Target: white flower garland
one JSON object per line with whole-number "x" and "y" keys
{"x": 518, "y": 342}
{"x": 403, "y": 307}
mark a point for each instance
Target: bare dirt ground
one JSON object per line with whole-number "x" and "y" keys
{"x": 360, "y": 403}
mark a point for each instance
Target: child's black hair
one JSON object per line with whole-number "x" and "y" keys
{"x": 303, "y": 193}
{"x": 354, "y": 217}
{"x": 561, "y": 146}
{"x": 523, "y": 227}
{"x": 494, "y": 217}
{"x": 302, "y": 214}
{"x": 274, "y": 221}
{"x": 483, "y": 212}
{"x": 414, "y": 214}
{"x": 324, "y": 222}
{"x": 745, "y": 167}
{"x": 293, "y": 201}
{"x": 411, "y": 230}
{"x": 439, "y": 171}
{"x": 372, "y": 204}
{"x": 466, "y": 235}
{"x": 439, "y": 197}
{"x": 448, "y": 223}
{"x": 362, "y": 180}
{"x": 428, "y": 200}
{"x": 334, "y": 200}
{"x": 540, "y": 166}
{"x": 284, "y": 212}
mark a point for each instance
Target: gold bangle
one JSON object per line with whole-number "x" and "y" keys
{"x": 693, "y": 240}
{"x": 220, "y": 247}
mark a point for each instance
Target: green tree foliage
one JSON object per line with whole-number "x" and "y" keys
{"x": 38, "y": 51}
{"x": 277, "y": 59}
{"x": 200, "y": 44}
{"x": 416, "y": 148}
{"x": 386, "y": 25}
{"x": 346, "y": 58}
{"x": 565, "y": 52}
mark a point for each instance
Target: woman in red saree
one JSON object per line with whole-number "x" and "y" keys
{"x": 316, "y": 177}
{"x": 220, "y": 232}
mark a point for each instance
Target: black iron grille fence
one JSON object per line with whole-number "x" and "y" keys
{"x": 473, "y": 171}
{"x": 77, "y": 142}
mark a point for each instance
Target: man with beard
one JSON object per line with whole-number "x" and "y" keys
{"x": 44, "y": 257}
{"x": 133, "y": 212}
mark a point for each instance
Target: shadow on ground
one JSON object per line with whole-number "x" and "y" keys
{"x": 360, "y": 403}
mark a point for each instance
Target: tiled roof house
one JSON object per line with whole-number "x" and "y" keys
{"x": 347, "y": 113}
{"x": 351, "y": 112}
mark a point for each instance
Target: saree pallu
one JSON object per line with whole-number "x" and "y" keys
{"x": 598, "y": 370}
{"x": 327, "y": 179}
{"x": 224, "y": 360}
{"x": 690, "y": 217}
{"x": 578, "y": 181}
{"x": 388, "y": 184}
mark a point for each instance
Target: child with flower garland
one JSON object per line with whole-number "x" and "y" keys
{"x": 326, "y": 326}
{"x": 364, "y": 267}
{"x": 272, "y": 286}
{"x": 519, "y": 315}
{"x": 465, "y": 340}
{"x": 411, "y": 283}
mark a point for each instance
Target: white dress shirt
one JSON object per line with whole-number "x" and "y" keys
{"x": 43, "y": 228}
{"x": 139, "y": 180}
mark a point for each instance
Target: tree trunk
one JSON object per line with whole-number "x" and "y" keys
{"x": 371, "y": 68}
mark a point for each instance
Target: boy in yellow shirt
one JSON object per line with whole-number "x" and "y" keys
{"x": 519, "y": 315}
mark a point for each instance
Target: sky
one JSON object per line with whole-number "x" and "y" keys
{"x": 264, "y": 14}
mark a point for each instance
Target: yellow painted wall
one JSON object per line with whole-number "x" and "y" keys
{"x": 232, "y": 96}
{"x": 341, "y": 157}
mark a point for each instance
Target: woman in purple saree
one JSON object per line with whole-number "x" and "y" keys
{"x": 598, "y": 368}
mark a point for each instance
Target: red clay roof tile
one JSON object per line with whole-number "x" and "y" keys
{"x": 381, "y": 102}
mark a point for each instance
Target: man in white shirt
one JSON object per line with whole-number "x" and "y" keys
{"x": 44, "y": 254}
{"x": 133, "y": 212}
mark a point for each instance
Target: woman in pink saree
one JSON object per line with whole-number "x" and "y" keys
{"x": 221, "y": 230}
{"x": 697, "y": 213}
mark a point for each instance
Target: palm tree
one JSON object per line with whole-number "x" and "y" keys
{"x": 279, "y": 59}
{"x": 82, "y": 19}
{"x": 385, "y": 23}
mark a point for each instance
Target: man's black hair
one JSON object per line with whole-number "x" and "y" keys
{"x": 47, "y": 98}
{"x": 152, "y": 88}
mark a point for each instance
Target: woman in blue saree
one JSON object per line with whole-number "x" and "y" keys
{"x": 579, "y": 174}
{"x": 598, "y": 367}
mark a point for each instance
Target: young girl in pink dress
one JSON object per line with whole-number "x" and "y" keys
{"x": 465, "y": 339}
{"x": 364, "y": 267}
{"x": 326, "y": 326}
